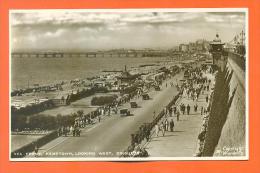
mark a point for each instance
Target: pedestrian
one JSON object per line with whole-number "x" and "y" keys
{"x": 195, "y": 98}
{"x": 201, "y": 110}
{"x": 195, "y": 107}
{"x": 183, "y": 109}
{"x": 64, "y": 130}
{"x": 207, "y": 98}
{"x": 36, "y": 149}
{"x": 147, "y": 134}
{"x": 68, "y": 130}
{"x": 166, "y": 124}
{"x": 174, "y": 109}
{"x": 165, "y": 111}
{"x": 157, "y": 129}
{"x": 109, "y": 111}
{"x": 74, "y": 131}
{"x": 205, "y": 110}
{"x": 170, "y": 111}
{"x": 162, "y": 128}
{"x": 71, "y": 129}
{"x": 188, "y": 109}
{"x": 173, "y": 113}
{"x": 178, "y": 115}
{"x": 59, "y": 131}
{"x": 171, "y": 125}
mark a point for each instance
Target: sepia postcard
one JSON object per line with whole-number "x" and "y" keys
{"x": 128, "y": 84}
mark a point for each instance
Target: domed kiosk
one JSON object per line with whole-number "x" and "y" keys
{"x": 218, "y": 53}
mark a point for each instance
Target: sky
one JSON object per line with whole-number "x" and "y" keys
{"x": 84, "y": 30}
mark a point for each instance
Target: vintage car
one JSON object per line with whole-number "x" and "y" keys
{"x": 146, "y": 97}
{"x": 133, "y": 105}
{"x": 157, "y": 88}
{"x": 125, "y": 112}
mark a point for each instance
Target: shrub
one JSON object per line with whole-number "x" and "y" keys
{"x": 103, "y": 100}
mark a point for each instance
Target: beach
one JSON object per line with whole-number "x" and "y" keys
{"x": 44, "y": 71}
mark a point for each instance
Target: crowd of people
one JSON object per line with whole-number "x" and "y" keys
{"x": 69, "y": 130}
{"x": 164, "y": 126}
{"x": 191, "y": 88}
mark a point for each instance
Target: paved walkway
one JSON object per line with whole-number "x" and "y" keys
{"x": 182, "y": 142}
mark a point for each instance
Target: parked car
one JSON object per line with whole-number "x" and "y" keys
{"x": 157, "y": 88}
{"x": 133, "y": 104}
{"x": 146, "y": 97}
{"x": 124, "y": 112}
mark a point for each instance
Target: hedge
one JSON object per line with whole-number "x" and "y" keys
{"x": 103, "y": 100}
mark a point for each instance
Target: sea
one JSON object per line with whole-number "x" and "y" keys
{"x": 27, "y": 71}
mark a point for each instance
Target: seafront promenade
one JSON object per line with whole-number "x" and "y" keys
{"x": 105, "y": 138}
{"x": 111, "y": 133}
{"x": 183, "y": 141}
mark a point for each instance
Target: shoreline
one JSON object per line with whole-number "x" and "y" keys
{"x": 51, "y": 90}
{"x": 96, "y": 74}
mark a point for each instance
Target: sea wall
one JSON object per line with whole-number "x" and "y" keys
{"x": 232, "y": 138}
{"x": 225, "y": 135}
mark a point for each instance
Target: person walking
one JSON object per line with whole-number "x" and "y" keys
{"x": 170, "y": 111}
{"x": 162, "y": 128}
{"x": 36, "y": 148}
{"x": 195, "y": 97}
{"x": 157, "y": 129}
{"x": 201, "y": 110}
{"x": 171, "y": 125}
{"x": 173, "y": 113}
{"x": 64, "y": 130}
{"x": 181, "y": 107}
{"x": 195, "y": 107}
{"x": 188, "y": 109}
{"x": 178, "y": 115}
{"x": 174, "y": 109}
{"x": 60, "y": 131}
{"x": 71, "y": 129}
{"x": 166, "y": 124}
{"x": 165, "y": 111}
{"x": 147, "y": 134}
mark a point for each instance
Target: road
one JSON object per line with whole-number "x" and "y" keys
{"x": 111, "y": 135}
